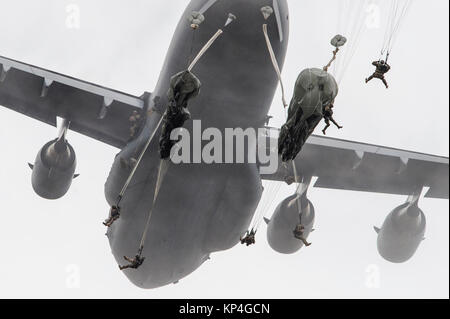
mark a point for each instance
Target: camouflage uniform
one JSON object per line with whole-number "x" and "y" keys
{"x": 328, "y": 117}
{"x": 299, "y": 234}
{"x": 249, "y": 238}
{"x": 114, "y": 214}
{"x": 381, "y": 69}
{"x": 134, "y": 263}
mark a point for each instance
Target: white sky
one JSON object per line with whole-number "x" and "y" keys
{"x": 122, "y": 46}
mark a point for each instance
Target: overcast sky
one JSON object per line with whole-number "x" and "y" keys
{"x": 46, "y": 246}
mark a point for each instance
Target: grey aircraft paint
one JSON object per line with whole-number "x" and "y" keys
{"x": 54, "y": 169}
{"x": 205, "y": 208}
{"x": 401, "y": 233}
{"x": 200, "y": 208}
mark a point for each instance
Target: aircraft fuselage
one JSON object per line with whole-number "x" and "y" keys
{"x": 201, "y": 208}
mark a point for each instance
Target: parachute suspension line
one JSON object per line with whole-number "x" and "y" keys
{"x": 398, "y": 12}
{"x": 343, "y": 28}
{"x": 339, "y": 25}
{"x": 398, "y": 25}
{"x": 272, "y": 189}
{"x": 270, "y": 203}
{"x": 275, "y": 64}
{"x": 389, "y": 27}
{"x": 263, "y": 206}
{"x": 353, "y": 30}
{"x": 270, "y": 198}
{"x": 141, "y": 155}
{"x": 191, "y": 66}
{"x": 299, "y": 205}
{"x": 192, "y": 47}
{"x": 301, "y": 191}
{"x": 205, "y": 48}
{"x": 335, "y": 52}
{"x": 164, "y": 164}
{"x": 353, "y": 46}
{"x": 395, "y": 9}
{"x": 162, "y": 170}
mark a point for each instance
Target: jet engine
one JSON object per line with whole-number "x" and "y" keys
{"x": 54, "y": 168}
{"x": 402, "y": 232}
{"x": 291, "y": 212}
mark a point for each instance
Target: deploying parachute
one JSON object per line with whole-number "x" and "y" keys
{"x": 314, "y": 90}
{"x": 184, "y": 86}
{"x": 338, "y": 41}
{"x": 351, "y": 20}
{"x": 196, "y": 18}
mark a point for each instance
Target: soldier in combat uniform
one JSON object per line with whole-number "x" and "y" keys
{"x": 134, "y": 263}
{"x": 299, "y": 233}
{"x": 328, "y": 117}
{"x": 114, "y": 214}
{"x": 249, "y": 238}
{"x": 381, "y": 69}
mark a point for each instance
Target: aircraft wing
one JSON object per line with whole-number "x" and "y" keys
{"x": 95, "y": 111}
{"x": 348, "y": 165}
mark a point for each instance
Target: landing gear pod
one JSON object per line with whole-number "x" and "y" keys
{"x": 54, "y": 169}
{"x": 280, "y": 230}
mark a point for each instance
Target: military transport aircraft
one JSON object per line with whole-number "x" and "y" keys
{"x": 205, "y": 208}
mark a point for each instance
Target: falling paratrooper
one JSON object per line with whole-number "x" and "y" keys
{"x": 398, "y": 12}
{"x": 314, "y": 91}
{"x": 249, "y": 238}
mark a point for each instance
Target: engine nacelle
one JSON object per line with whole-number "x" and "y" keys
{"x": 280, "y": 231}
{"x": 54, "y": 169}
{"x": 401, "y": 233}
